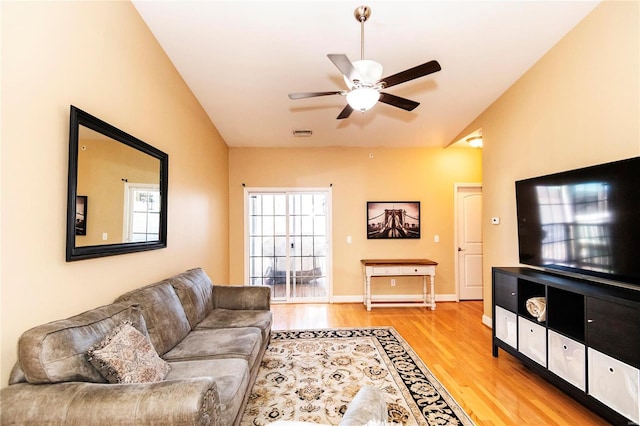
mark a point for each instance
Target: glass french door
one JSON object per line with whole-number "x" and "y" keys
{"x": 288, "y": 243}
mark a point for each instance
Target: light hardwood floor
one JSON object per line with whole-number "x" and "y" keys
{"x": 456, "y": 347}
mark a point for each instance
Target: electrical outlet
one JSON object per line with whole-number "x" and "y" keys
{"x": 393, "y": 282}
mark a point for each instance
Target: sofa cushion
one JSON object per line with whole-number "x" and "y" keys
{"x": 243, "y": 343}
{"x": 55, "y": 352}
{"x": 232, "y": 318}
{"x": 127, "y": 356}
{"x": 246, "y": 297}
{"x": 231, "y": 375}
{"x": 194, "y": 288}
{"x": 167, "y": 323}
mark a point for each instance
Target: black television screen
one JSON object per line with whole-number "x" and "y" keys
{"x": 584, "y": 221}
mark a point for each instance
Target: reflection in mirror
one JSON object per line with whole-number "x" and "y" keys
{"x": 117, "y": 191}
{"x": 123, "y": 185}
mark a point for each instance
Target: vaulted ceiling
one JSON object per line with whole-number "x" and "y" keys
{"x": 242, "y": 58}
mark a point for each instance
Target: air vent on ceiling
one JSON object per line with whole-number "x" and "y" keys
{"x": 302, "y": 133}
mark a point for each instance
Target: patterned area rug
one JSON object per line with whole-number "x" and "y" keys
{"x": 312, "y": 375}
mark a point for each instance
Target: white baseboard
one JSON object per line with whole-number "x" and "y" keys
{"x": 487, "y": 321}
{"x": 446, "y": 298}
{"x": 393, "y": 298}
{"x": 347, "y": 299}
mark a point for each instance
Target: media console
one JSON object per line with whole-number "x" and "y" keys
{"x": 588, "y": 344}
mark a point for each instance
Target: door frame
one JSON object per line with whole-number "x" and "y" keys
{"x": 286, "y": 190}
{"x": 456, "y": 188}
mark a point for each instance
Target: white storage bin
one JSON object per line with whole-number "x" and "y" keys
{"x": 614, "y": 383}
{"x": 532, "y": 340}
{"x": 506, "y": 327}
{"x": 567, "y": 359}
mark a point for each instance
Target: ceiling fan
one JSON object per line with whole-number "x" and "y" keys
{"x": 363, "y": 78}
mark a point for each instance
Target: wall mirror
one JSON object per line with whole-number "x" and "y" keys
{"x": 117, "y": 194}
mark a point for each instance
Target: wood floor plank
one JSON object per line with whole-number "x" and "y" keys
{"x": 456, "y": 347}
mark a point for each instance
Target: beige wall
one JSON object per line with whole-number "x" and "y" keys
{"x": 100, "y": 57}
{"x": 402, "y": 174}
{"x": 578, "y": 106}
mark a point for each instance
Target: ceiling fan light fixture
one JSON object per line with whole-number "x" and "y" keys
{"x": 363, "y": 98}
{"x": 475, "y": 142}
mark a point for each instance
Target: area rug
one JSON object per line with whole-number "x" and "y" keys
{"x": 312, "y": 376}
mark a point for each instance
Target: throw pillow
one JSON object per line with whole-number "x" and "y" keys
{"x": 127, "y": 356}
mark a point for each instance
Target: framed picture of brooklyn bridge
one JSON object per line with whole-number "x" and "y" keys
{"x": 393, "y": 219}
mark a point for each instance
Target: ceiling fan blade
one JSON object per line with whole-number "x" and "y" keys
{"x": 312, "y": 94}
{"x": 345, "y": 66}
{"x": 412, "y": 73}
{"x": 346, "y": 112}
{"x": 397, "y": 101}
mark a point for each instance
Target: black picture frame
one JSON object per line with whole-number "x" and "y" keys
{"x": 81, "y": 215}
{"x": 389, "y": 220}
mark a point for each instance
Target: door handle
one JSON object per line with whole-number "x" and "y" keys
{"x": 460, "y": 249}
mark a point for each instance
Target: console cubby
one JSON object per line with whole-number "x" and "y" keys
{"x": 589, "y": 345}
{"x": 505, "y": 292}
{"x": 565, "y": 313}
{"x": 527, "y": 290}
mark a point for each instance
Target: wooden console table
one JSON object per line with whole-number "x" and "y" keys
{"x": 400, "y": 267}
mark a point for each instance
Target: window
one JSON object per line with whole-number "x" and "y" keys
{"x": 142, "y": 212}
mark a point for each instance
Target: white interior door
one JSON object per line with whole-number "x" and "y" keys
{"x": 469, "y": 241}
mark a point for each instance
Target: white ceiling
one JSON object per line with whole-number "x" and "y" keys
{"x": 242, "y": 58}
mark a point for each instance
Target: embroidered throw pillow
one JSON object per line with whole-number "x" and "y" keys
{"x": 127, "y": 356}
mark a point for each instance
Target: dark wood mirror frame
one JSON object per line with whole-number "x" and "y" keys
{"x": 80, "y": 118}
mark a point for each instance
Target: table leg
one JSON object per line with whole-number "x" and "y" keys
{"x": 364, "y": 288}
{"x": 367, "y": 293}
{"x": 425, "y": 298}
{"x": 433, "y": 293}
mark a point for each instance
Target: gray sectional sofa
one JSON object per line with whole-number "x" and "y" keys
{"x": 210, "y": 338}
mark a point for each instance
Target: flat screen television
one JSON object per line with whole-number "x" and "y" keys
{"x": 583, "y": 222}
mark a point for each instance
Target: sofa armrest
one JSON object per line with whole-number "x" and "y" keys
{"x": 241, "y": 297}
{"x": 175, "y": 402}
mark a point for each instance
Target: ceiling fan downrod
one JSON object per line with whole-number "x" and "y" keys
{"x": 362, "y": 13}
